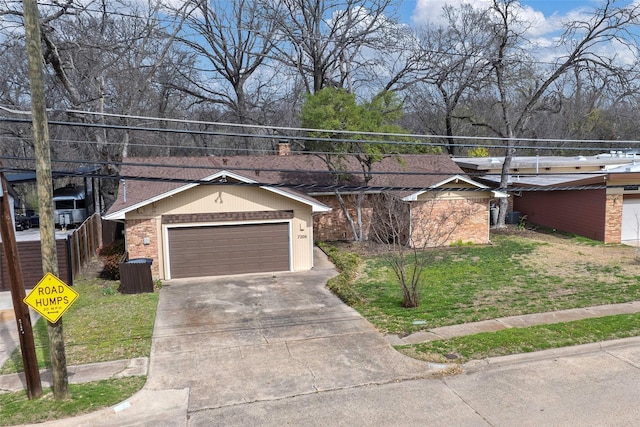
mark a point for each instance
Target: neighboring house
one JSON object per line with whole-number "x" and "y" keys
{"x": 593, "y": 196}
{"x": 241, "y": 214}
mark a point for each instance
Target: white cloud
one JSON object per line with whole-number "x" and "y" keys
{"x": 542, "y": 31}
{"x": 429, "y": 12}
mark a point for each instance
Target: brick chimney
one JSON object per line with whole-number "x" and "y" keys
{"x": 284, "y": 149}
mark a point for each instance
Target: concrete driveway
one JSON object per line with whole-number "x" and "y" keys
{"x": 236, "y": 340}
{"x": 282, "y": 350}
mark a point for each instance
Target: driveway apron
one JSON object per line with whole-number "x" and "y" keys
{"x": 235, "y": 340}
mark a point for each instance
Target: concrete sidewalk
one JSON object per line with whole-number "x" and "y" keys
{"x": 521, "y": 321}
{"x": 81, "y": 374}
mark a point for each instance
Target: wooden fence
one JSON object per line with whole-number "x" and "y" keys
{"x": 84, "y": 242}
{"x": 31, "y": 264}
{"x": 74, "y": 253}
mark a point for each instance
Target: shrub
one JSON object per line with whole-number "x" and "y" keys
{"x": 116, "y": 247}
{"x": 111, "y": 267}
{"x": 347, "y": 264}
{"x": 111, "y": 256}
{"x": 478, "y": 152}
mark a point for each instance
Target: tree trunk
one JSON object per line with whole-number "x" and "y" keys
{"x": 504, "y": 184}
{"x": 343, "y": 205}
{"x": 359, "y": 204}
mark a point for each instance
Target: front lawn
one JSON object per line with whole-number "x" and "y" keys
{"x": 515, "y": 275}
{"x": 525, "y": 340}
{"x": 101, "y": 325}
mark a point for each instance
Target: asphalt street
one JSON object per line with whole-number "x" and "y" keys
{"x": 591, "y": 385}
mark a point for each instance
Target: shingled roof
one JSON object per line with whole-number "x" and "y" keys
{"x": 144, "y": 180}
{"x": 413, "y": 171}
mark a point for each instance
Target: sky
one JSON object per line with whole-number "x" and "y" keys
{"x": 549, "y": 12}
{"x": 547, "y": 19}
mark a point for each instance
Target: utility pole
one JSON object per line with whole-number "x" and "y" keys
{"x": 45, "y": 188}
{"x": 16, "y": 281}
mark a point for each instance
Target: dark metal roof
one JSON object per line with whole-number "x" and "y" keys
{"x": 18, "y": 178}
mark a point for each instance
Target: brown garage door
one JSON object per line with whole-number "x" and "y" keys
{"x": 230, "y": 249}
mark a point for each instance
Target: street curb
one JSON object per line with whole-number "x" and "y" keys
{"x": 517, "y": 321}
{"x": 553, "y": 353}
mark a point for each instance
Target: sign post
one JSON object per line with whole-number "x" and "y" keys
{"x": 16, "y": 281}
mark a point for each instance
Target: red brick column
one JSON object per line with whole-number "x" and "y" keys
{"x": 139, "y": 232}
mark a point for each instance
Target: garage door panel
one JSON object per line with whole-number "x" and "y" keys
{"x": 221, "y": 250}
{"x": 630, "y": 221}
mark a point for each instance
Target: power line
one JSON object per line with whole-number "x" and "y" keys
{"x": 216, "y": 150}
{"x": 314, "y": 187}
{"x": 307, "y": 186}
{"x": 276, "y": 170}
{"x": 310, "y": 130}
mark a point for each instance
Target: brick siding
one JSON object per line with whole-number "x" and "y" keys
{"x": 334, "y": 226}
{"x": 137, "y": 230}
{"x": 467, "y": 219}
{"x": 444, "y": 222}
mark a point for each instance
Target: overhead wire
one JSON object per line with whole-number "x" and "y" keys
{"x": 310, "y": 130}
{"x": 151, "y": 164}
{"x": 304, "y": 186}
{"x": 312, "y": 187}
{"x": 291, "y": 128}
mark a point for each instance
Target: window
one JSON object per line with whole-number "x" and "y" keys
{"x": 64, "y": 204}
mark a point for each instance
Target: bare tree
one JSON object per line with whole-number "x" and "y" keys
{"x": 320, "y": 39}
{"x": 105, "y": 62}
{"x": 583, "y": 40}
{"x": 232, "y": 42}
{"x": 408, "y": 233}
{"x": 454, "y": 65}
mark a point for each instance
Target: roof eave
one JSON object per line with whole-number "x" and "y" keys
{"x": 414, "y": 197}
{"x": 315, "y": 207}
{"x": 121, "y": 214}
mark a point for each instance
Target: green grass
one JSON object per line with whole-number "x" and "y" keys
{"x": 467, "y": 284}
{"x": 524, "y": 340}
{"x": 16, "y": 408}
{"x": 101, "y": 325}
{"x": 511, "y": 277}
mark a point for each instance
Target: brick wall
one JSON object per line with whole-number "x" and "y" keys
{"x": 333, "y": 226}
{"x": 446, "y": 222}
{"x": 137, "y": 231}
{"x": 613, "y": 218}
{"x": 443, "y": 222}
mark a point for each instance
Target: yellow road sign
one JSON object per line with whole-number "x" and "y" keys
{"x": 51, "y": 297}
